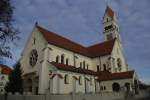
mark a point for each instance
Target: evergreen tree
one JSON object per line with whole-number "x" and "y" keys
{"x": 15, "y": 83}
{"x": 7, "y": 32}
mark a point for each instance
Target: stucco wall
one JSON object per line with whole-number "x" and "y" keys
{"x": 48, "y": 52}
{"x": 39, "y": 45}
{"x": 118, "y": 53}
{"x": 73, "y": 86}
{"x": 108, "y": 84}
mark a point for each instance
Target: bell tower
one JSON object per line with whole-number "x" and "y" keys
{"x": 110, "y": 26}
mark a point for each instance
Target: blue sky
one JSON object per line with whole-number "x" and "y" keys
{"x": 81, "y": 21}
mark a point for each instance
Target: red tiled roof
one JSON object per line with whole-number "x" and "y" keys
{"x": 59, "y": 75}
{"x": 5, "y": 69}
{"x": 100, "y": 49}
{"x": 73, "y": 69}
{"x": 109, "y": 11}
{"x": 75, "y": 77}
{"x": 115, "y": 76}
{"x": 102, "y": 75}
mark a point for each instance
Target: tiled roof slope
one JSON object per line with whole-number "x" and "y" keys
{"x": 102, "y": 75}
{"x": 115, "y": 76}
{"x": 5, "y": 69}
{"x": 73, "y": 69}
{"x": 100, "y": 49}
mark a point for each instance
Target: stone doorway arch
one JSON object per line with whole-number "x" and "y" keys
{"x": 127, "y": 86}
{"x": 116, "y": 87}
{"x": 29, "y": 82}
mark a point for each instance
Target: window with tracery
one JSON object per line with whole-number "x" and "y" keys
{"x": 33, "y": 57}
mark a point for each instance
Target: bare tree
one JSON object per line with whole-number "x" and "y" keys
{"x": 7, "y": 32}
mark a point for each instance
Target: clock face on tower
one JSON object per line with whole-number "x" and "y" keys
{"x": 33, "y": 57}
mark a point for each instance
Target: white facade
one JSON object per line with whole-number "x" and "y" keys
{"x": 43, "y": 77}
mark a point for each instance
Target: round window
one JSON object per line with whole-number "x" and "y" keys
{"x": 33, "y": 57}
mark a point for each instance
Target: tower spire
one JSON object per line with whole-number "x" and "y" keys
{"x": 110, "y": 26}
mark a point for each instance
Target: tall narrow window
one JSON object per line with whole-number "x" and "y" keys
{"x": 119, "y": 64}
{"x": 80, "y": 80}
{"x": 62, "y": 59}
{"x": 34, "y": 39}
{"x": 83, "y": 64}
{"x": 105, "y": 69}
{"x": 91, "y": 81}
{"x": 57, "y": 59}
{"x": 67, "y": 61}
{"x": 80, "y": 64}
{"x": 98, "y": 68}
{"x": 87, "y": 66}
{"x": 66, "y": 79}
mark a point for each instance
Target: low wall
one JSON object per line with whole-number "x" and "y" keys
{"x": 100, "y": 96}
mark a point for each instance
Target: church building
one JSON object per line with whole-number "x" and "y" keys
{"x": 56, "y": 65}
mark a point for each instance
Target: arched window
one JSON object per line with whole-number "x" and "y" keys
{"x": 104, "y": 66}
{"x": 98, "y": 69}
{"x": 127, "y": 86}
{"x": 83, "y": 64}
{"x": 119, "y": 64}
{"x": 66, "y": 79}
{"x": 29, "y": 81}
{"x": 104, "y": 87}
{"x": 87, "y": 66}
{"x": 57, "y": 59}
{"x": 62, "y": 59}
{"x": 116, "y": 87}
{"x": 67, "y": 60}
{"x": 80, "y": 80}
{"x": 80, "y": 64}
{"x": 91, "y": 81}
{"x": 101, "y": 87}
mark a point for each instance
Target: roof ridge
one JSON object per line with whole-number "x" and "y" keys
{"x": 61, "y": 36}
